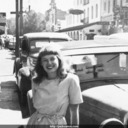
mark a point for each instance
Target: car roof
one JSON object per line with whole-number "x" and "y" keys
{"x": 119, "y": 36}
{"x": 47, "y": 35}
{"x": 94, "y": 46}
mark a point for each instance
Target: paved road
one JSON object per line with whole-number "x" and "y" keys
{"x": 10, "y": 112}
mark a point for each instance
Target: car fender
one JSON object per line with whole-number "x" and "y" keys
{"x": 17, "y": 65}
{"x": 23, "y": 74}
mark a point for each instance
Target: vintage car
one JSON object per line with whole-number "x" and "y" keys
{"x": 31, "y": 44}
{"x": 12, "y": 43}
{"x": 102, "y": 67}
{"x": 121, "y": 35}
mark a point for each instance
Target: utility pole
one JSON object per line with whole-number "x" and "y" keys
{"x": 21, "y": 18}
{"x": 19, "y": 25}
{"x": 17, "y": 29}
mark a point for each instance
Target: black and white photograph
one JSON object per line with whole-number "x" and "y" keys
{"x": 63, "y": 63}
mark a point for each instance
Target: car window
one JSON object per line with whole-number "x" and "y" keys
{"x": 108, "y": 65}
{"x": 24, "y": 46}
{"x": 36, "y": 44}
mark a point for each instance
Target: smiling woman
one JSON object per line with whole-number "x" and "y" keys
{"x": 54, "y": 89}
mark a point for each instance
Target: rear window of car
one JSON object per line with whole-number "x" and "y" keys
{"x": 37, "y": 44}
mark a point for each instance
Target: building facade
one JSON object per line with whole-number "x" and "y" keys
{"x": 56, "y": 17}
{"x": 92, "y": 17}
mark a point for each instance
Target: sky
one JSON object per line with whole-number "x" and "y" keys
{"x": 37, "y": 5}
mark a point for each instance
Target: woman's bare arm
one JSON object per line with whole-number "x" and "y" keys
{"x": 74, "y": 114}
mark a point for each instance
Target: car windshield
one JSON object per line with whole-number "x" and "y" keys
{"x": 36, "y": 44}
{"x": 97, "y": 66}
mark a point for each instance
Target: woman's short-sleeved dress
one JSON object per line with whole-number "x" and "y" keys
{"x": 52, "y": 98}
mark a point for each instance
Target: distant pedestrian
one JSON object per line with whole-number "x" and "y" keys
{"x": 0, "y": 43}
{"x": 54, "y": 90}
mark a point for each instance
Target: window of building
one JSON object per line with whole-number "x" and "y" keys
{"x": 104, "y": 6}
{"x": 77, "y": 38}
{"x": 77, "y": 2}
{"x": 88, "y": 12}
{"x": 92, "y": 12}
{"x": 109, "y": 6}
{"x": 96, "y": 10}
{"x": 81, "y": 1}
{"x": 77, "y": 18}
{"x": 84, "y": 2}
{"x": 84, "y": 13}
{"x": 114, "y": 3}
{"x": 81, "y": 17}
{"x": 126, "y": 15}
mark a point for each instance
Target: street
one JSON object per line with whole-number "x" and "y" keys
{"x": 10, "y": 111}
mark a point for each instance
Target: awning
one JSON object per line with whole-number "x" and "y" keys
{"x": 79, "y": 27}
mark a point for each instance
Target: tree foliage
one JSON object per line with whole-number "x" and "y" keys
{"x": 33, "y": 22}
{"x": 11, "y": 26}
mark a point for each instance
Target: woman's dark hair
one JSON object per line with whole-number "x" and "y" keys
{"x": 48, "y": 50}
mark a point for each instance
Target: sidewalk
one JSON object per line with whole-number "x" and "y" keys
{"x": 10, "y": 113}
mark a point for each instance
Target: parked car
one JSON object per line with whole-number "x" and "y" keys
{"x": 12, "y": 43}
{"x": 30, "y": 45}
{"x": 102, "y": 67}
{"x": 122, "y": 35}
{"x": 9, "y": 41}
{"x": 119, "y": 36}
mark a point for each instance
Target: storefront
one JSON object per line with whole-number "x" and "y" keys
{"x": 86, "y": 31}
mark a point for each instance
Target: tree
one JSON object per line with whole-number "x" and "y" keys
{"x": 33, "y": 22}
{"x": 11, "y": 26}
